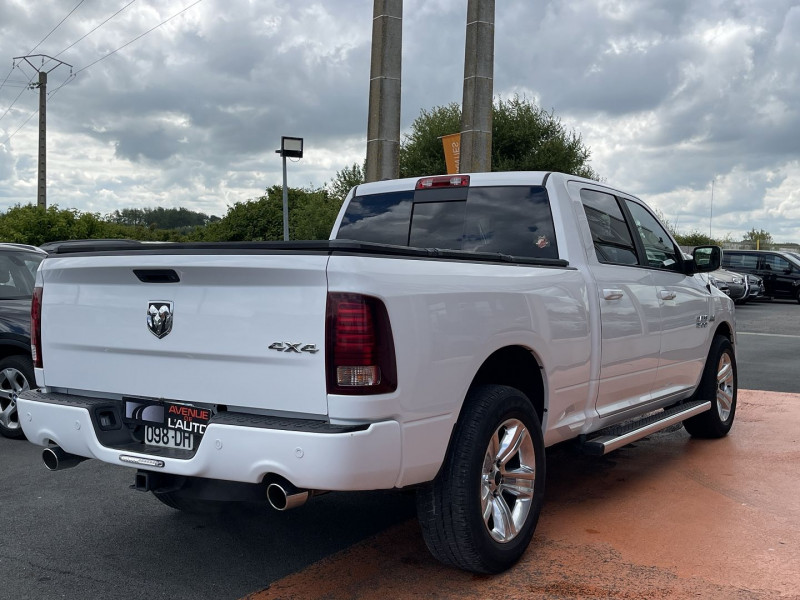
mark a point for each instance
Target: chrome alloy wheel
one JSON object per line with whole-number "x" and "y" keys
{"x": 12, "y": 382}
{"x": 724, "y": 386}
{"x": 507, "y": 481}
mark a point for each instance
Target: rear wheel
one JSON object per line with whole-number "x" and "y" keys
{"x": 16, "y": 375}
{"x": 719, "y": 384}
{"x": 480, "y": 512}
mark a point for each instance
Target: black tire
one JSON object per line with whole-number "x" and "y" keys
{"x": 191, "y": 505}
{"x": 798, "y": 296}
{"x": 16, "y": 375}
{"x": 718, "y": 384}
{"x": 473, "y": 477}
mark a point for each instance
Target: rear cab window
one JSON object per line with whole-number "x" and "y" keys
{"x": 514, "y": 220}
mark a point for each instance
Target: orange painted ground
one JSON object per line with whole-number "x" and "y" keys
{"x": 670, "y": 517}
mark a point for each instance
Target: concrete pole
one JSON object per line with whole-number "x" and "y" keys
{"x": 42, "y": 195}
{"x": 476, "y": 107}
{"x": 383, "y": 122}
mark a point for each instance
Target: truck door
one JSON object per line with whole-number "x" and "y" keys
{"x": 630, "y": 316}
{"x": 684, "y": 302}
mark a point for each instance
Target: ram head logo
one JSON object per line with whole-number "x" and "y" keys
{"x": 159, "y": 317}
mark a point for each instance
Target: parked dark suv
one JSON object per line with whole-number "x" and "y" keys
{"x": 779, "y": 270}
{"x": 18, "y": 264}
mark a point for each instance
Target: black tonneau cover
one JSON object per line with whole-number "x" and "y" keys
{"x": 331, "y": 247}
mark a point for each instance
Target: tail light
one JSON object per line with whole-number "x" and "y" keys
{"x": 36, "y": 327}
{"x": 360, "y": 349}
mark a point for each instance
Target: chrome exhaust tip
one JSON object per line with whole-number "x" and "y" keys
{"x": 55, "y": 459}
{"x": 283, "y": 496}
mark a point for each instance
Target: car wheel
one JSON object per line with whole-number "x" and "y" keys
{"x": 718, "y": 384}
{"x": 798, "y": 295}
{"x": 16, "y": 375}
{"x": 191, "y": 505}
{"x": 480, "y": 512}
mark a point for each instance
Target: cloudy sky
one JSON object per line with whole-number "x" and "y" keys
{"x": 670, "y": 96}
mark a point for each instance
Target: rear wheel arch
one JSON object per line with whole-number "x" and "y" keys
{"x": 512, "y": 366}
{"x": 517, "y": 367}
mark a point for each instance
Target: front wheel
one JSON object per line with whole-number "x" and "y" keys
{"x": 480, "y": 512}
{"x": 718, "y": 384}
{"x": 16, "y": 375}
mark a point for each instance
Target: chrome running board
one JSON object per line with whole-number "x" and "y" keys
{"x": 610, "y": 439}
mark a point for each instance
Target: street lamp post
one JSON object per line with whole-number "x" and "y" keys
{"x": 291, "y": 147}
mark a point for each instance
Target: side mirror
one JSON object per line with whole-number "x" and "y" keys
{"x": 706, "y": 259}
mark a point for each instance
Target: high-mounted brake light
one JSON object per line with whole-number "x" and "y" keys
{"x": 36, "y": 327}
{"x": 442, "y": 181}
{"x": 360, "y": 348}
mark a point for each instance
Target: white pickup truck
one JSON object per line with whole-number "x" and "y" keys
{"x": 451, "y": 329}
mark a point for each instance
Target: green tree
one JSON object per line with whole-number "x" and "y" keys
{"x": 344, "y": 181}
{"x": 421, "y": 152}
{"x": 758, "y": 237}
{"x": 312, "y": 213}
{"x": 694, "y": 238}
{"x": 160, "y": 218}
{"x": 524, "y": 138}
{"x": 31, "y": 224}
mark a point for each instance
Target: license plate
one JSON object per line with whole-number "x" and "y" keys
{"x": 168, "y": 438}
{"x": 168, "y": 424}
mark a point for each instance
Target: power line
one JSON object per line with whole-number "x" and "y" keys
{"x": 73, "y": 75}
{"x": 56, "y": 27}
{"x": 25, "y": 122}
{"x": 10, "y": 106}
{"x": 95, "y": 29}
{"x": 35, "y": 112}
{"x": 139, "y": 36}
{"x": 6, "y": 79}
{"x": 34, "y": 48}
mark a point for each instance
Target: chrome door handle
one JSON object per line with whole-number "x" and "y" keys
{"x": 668, "y": 295}
{"x": 612, "y": 294}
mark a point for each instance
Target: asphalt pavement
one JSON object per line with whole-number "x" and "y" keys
{"x": 82, "y": 533}
{"x": 768, "y": 348}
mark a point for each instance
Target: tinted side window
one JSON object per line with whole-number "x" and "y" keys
{"x": 773, "y": 262}
{"x": 661, "y": 252}
{"x": 740, "y": 261}
{"x": 380, "y": 218}
{"x": 17, "y": 274}
{"x": 612, "y": 239}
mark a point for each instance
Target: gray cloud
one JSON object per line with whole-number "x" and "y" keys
{"x": 667, "y": 95}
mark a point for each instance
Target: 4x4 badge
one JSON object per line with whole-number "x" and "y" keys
{"x": 159, "y": 317}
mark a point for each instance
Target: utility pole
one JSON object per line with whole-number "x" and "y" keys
{"x": 383, "y": 121}
{"x": 476, "y": 107}
{"x": 42, "y": 85}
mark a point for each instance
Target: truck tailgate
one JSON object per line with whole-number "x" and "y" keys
{"x": 248, "y": 330}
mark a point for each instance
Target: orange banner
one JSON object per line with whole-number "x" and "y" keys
{"x": 452, "y": 151}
